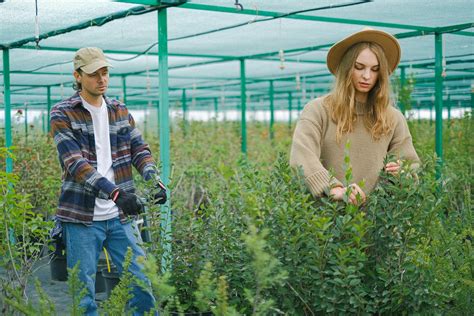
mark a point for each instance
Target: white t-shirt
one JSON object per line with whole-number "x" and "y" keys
{"x": 103, "y": 209}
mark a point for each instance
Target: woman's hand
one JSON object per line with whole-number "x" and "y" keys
{"x": 338, "y": 193}
{"x": 393, "y": 167}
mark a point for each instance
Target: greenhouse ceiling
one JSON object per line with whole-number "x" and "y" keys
{"x": 281, "y": 43}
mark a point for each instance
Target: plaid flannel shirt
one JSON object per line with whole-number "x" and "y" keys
{"x": 73, "y": 132}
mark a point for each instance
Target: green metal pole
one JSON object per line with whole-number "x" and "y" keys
{"x": 243, "y": 100}
{"x": 449, "y": 109}
{"x": 124, "y": 89}
{"x": 26, "y": 123}
{"x": 216, "y": 108}
{"x": 49, "y": 108}
{"x": 7, "y": 101}
{"x": 158, "y": 115}
{"x": 272, "y": 110}
{"x": 43, "y": 122}
{"x": 419, "y": 112}
{"x": 472, "y": 101}
{"x": 290, "y": 109}
{"x": 164, "y": 136}
{"x": 402, "y": 88}
{"x": 145, "y": 122}
{"x": 439, "y": 101}
{"x": 431, "y": 114}
{"x": 299, "y": 106}
{"x": 185, "y": 112}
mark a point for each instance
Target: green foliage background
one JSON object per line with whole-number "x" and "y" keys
{"x": 249, "y": 239}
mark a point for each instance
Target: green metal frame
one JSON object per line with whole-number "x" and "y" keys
{"x": 185, "y": 112}
{"x": 402, "y": 87}
{"x": 290, "y": 109}
{"x": 26, "y": 122}
{"x": 242, "y": 80}
{"x": 243, "y": 100}
{"x": 164, "y": 136}
{"x": 439, "y": 101}
{"x": 7, "y": 101}
{"x": 124, "y": 88}
{"x": 94, "y": 22}
{"x": 48, "y": 93}
{"x": 272, "y": 110}
{"x": 216, "y": 108}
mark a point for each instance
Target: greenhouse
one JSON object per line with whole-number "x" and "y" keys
{"x": 219, "y": 91}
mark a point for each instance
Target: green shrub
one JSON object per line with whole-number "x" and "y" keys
{"x": 407, "y": 250}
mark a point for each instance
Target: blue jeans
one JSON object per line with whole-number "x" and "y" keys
{"x": 84, "y": 244}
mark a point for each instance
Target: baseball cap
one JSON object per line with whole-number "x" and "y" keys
{"x": 90, "y": 59}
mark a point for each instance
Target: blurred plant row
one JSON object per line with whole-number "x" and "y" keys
{"x": 248, "y": 239}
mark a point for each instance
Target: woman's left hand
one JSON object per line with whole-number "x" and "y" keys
{"x": 393, "y": 167}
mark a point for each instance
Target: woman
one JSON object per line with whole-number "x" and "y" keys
{"x": 357, "y": 110}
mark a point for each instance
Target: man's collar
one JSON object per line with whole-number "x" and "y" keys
{"x": 76, "y": 100}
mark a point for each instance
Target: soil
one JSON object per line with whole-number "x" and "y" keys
{"x": 56, "y": 290}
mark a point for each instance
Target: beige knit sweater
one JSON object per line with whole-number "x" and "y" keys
{"x": 315, "y": 149}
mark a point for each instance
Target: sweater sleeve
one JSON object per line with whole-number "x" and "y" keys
{"x": 306, "y": 152}
{"x": 401, "y": 144}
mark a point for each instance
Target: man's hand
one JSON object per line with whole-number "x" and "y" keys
{"x": 356, "y": 197}
{"x": 128, "y": 203}
{"x": 160, "y": 197}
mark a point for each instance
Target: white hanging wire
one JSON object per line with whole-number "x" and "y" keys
{"x": 443, "y": 62}
{"x": 304, "y": 90}
{"x": 281, "y": 52}
{"x": 148, "y": 80}
{"x": 19, "y": 112}
{"x": 250, "y": 112}
{"x": 281, "y": 55}
{"x": 37, "y": 26}
{"x": 222, "y": 95}
{"x": 254, "y": 5}
{"x": 61, "y": 79}
{"x": 193, "y": 102}
{"x": 298, "y": 77}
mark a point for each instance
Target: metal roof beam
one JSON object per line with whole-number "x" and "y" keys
{"x": 453, "y": 29}
{"x": 115, "y": 51}
{"x": 93, "y": 22}
{"x": 252, "y": 12}
{"x": 456, "y": 28}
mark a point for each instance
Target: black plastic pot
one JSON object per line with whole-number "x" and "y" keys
{"x": 58, "y": 267}
{"x": 99, "y": 279}
{"x": 111, "y": 279}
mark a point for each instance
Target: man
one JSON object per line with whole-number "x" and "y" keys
{"x": 97, "y": 145}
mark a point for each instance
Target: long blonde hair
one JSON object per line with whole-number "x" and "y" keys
{"x": 341, "y": 100}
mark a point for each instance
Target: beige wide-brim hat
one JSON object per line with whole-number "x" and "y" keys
{"x": 388, "y": 42}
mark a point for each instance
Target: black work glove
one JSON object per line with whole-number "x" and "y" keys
{"x": 128, "y": 203}
{"x": 160, "y": 197}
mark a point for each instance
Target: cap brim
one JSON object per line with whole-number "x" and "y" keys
{"x": 93, "y": 67}
{"x": 388, "y": 43}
